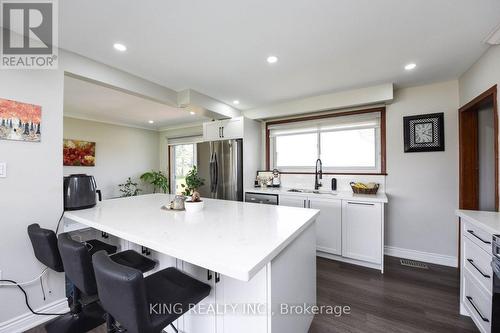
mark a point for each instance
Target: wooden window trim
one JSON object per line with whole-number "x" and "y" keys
{"x": 382, "y": 110}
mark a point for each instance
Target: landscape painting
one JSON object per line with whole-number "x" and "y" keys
{"x": 20, "y": 121}
{"x": 78, "y": 153}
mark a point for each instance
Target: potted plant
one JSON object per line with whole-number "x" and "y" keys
{"x": 129, "y": 188}
{"x": 157, "y": 179}
{"x": 193, "y": 183}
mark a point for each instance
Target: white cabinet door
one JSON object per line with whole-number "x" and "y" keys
{"x": 362, "y": 231}
{"x": 212, "y": 131}
{"x": 205, "y": 322}
{"x": 292, "y": 201}
{"x": 232, "y": 129}
{"x": 223, "y": 129}
{"x": 328, "y": 225}
{"x": 244, "y": 304}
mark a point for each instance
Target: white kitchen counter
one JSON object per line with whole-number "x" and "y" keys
{"x": 236, "y": 239}
{"x": 340, "y": 195}
{"x": 489, "y": 221}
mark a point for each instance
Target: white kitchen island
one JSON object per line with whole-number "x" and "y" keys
{"x": 260, "y": 260}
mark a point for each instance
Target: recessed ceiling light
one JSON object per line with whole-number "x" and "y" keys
{"x": 411, "y": 66}
{"x": 236, "y": 102}
{"x": 192, "y": 113}
{"x": 151, "y": 122}
{"x": 120, "y": 47}
{"x": 272, "y": 59}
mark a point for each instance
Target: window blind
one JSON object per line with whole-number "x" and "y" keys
{"x": 184, "y": 140}
{"x": 368, "y": 120}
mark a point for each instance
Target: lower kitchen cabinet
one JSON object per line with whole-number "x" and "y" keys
{"x": 247, "y": 311}
{"x": 362, "y": 230}
{"x": 230, "y": 305}
{"x": 346, "y": 230}
{"x": 202, "y": 318}
{"x": 328, "y": 225}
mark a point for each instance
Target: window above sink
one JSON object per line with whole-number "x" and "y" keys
{"x": 346, "y": 142}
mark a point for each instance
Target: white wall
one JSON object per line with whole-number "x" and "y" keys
{"x": 32, "y": 191}
{"x": 423, "y": 187}
{"x": 484, "y": 74}
{"x": 121, "y": 152}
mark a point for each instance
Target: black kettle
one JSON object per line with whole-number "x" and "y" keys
{"x": 80, "y": 192}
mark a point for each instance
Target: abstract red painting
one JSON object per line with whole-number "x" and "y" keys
{"x": 20, "y": 121}
{"x": 78, "y": 153}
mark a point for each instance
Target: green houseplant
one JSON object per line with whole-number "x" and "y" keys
{"x": 129, "y": 188}
{"x": 157, "y": 179}
{"x": 193, "y": 183}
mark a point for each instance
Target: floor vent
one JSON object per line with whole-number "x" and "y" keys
{"x": 413, "y": 263}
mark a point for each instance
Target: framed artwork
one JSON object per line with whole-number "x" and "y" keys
{"x": 20, "y": 121}
{"x": 424, "y": 132}
{"x": 78, "y": 153}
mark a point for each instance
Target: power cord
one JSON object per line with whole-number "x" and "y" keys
{"x": 59, "y": 222}
{"x": 11, "y": 283}
{"x": 28, "y": 304}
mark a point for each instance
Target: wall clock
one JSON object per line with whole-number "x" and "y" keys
{"x": 424, "y": 132}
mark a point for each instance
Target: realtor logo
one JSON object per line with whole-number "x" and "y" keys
{"x": 29, "y": 32}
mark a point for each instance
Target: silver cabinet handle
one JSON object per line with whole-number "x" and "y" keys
{"x": 360, "y": 203}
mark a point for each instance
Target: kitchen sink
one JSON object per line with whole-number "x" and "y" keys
{"x": 297, "y": 190}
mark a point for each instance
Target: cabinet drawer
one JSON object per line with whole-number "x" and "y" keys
{"x": 477, "y": 302}
{"x": 477, "y": 235}
{"x": 478, "y": 262}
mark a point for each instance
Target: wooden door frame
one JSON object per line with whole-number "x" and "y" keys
{"x": 473, "y": 106}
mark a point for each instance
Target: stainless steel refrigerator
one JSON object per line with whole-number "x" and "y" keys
{"x": 220, "y": 163}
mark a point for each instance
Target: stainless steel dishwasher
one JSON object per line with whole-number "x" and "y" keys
{"x": 266, "y": 199}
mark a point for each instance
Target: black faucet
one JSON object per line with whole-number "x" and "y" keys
{"x": 318, "y": 174}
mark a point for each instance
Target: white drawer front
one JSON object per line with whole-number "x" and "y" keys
{"x": 477, "y": 302}
{"x": 477, "y": 235}
{"x": 478, "y": 262}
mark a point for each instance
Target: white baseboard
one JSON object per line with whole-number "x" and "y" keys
{"x": 349, "y": 261}
{"x": 433, "y": 258}
{"x": 28, "y": 320}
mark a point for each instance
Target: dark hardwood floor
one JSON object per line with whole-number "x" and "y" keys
{"x": 403, "y": 300}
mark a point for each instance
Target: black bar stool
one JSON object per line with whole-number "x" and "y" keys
{"x": 127, "y": 295}
{"x": 77, "y": 261}
{"x": 44, "y": 242}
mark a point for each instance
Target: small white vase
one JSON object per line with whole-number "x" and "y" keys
{"x": 194, "y": 206}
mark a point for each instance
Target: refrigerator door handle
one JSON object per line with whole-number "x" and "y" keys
{"x": 216, "y": 174}
{"x": 211, "y": 172}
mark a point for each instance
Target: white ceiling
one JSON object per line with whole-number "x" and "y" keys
{"x": 90, "y": 101}
{"x": 219, "y": 47}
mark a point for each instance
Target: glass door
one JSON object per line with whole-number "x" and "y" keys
{"x": 183, "y": 160}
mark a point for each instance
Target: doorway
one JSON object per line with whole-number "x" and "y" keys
{"x": 478, "y": 149}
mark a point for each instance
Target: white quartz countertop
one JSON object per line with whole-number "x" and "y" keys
{"x": 339, "y": 195}
{"x": 489, "y": 221}
{"x": 232, "y": 238}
